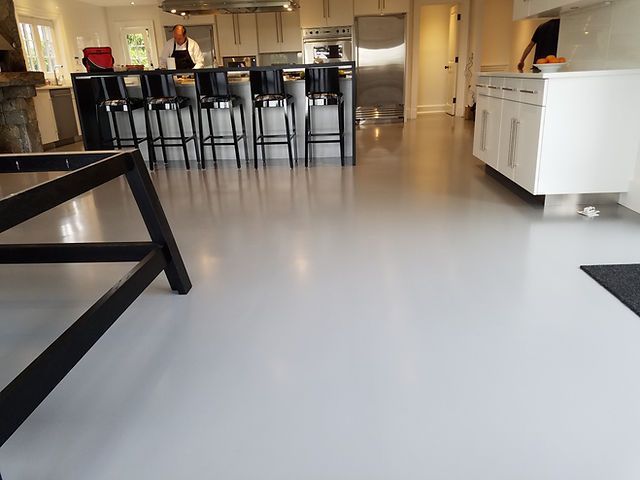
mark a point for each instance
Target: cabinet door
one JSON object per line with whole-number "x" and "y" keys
{"x": 268, "y": 32}
{"x": 521, "y": 9}
{"x": 510, "y": 113}
{"x": 480, "y": 128}
{"x": 395, "y": 6}
{"x": 527, "y": 138}
{"x": 367, "y": 7}
{"x": 290, "y": 32}
{"x": 46, "y": 117}
{"x": 247, "y": 31}
{"x": 339, "y": 12}
{"x": 493, "y": 132}
{"x": 313, "y": 13}
{"x": 64, "y": 113}
{"x": 227, "y": 37}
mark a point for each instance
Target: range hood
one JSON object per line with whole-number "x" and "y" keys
{"x": 208, "y": 7}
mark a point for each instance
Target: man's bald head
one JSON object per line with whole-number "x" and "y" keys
{"x": 180, "y": 34}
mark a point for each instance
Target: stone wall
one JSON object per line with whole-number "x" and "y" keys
{"x": 13, "y": 60}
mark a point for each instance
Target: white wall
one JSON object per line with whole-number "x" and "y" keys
{"x": 433, "y": 56}
{"x": 602, "y": 37}
{"x": 72, "y": 19}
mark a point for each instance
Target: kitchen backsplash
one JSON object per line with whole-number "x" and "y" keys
{"x": 602, "y": 37}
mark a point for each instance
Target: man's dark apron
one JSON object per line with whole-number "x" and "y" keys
{"x": 183, "y": 58}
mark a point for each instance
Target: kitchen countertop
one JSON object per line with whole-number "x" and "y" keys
{"x": 567, "y": 74}
{"x": 53, "y": 87}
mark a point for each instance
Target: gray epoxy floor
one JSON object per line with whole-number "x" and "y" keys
{"x": 409, "y": 318}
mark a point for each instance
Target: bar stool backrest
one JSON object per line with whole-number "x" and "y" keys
{"x": 161, "y": 85}
{"x": 266, "y": 82}
{"x": 212, "y": 84}
{"x": 322, "y": 80}
{"x": 112, "y": 88}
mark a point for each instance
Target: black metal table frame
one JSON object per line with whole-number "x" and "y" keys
{"x": 87, "y": 170}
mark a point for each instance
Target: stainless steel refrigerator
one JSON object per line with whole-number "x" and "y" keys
{"x": 380, "y": 60}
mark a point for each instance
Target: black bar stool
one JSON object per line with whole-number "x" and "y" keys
{"x": 160, "y": 94}
{"x": 212, "y": 89}
{"x": 322, "y": 86}
{"x": 267, "y": 91}
{"x": 114, "y": 98}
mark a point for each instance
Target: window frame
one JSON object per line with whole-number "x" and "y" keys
{"x": 147, "y": 30}
{"x": 35, "y": 23}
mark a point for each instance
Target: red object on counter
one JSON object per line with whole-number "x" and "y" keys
{"x": 98, "y": 59}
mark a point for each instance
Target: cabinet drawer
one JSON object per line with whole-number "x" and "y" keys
{"x": 511, "y": 89}
{"x": 494, "y": 87}
{"x": 533, "y": 91}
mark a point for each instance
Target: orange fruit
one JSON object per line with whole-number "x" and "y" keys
{"x": 551, "y": 58}
{"x": 562, "y": 60}
{"x": 542, "y": 61}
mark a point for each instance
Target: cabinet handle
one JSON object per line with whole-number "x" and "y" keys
{"x": 509, "y": 89}
{"x": 485, "y": 116}
{"x": 480, "y": 85}
{"x": 238, "y": 23}
{"x": 516, "y": 131}
{"x": 328, "y": 8}
{"x": 533, "y": 92}
{"x": 492, "y": 87}
{"x": 279, "y": 27}
{"x": 510, "y": 154}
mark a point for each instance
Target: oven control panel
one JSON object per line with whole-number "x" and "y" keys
{"x": 320, "y": 33}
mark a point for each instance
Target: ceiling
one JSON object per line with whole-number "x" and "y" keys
{"x": 121, "y": 3}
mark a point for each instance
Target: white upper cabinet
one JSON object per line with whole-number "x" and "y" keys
{"x": 325, "y": 13}
{"x": 237, "y": 34}
{"x": 381, "y": 7}
{"x": 546, "y": 8}
{"x": 279, "y": 32}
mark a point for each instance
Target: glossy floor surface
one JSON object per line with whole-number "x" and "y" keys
{"x": 409, "y": 318}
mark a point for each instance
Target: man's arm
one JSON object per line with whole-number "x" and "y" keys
{"x": 525, "y": 54}
{"x": 197, "y": 56}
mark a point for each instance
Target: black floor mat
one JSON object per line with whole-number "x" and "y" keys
{"x": 623, "y": 281}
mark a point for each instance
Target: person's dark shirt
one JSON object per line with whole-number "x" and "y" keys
{"x": 546, "y": 39}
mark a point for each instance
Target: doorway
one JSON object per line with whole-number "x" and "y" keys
{"x": 438, "y": 60}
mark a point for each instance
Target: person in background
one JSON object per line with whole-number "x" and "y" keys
{"x": 185, "y": 50}
{"x": 545, "y": 39}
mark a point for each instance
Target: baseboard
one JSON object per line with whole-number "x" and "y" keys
{"x": 425, "y": 109}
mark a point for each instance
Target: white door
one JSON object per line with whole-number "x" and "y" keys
{"x": 527, "y": 139}
{"x": 510, "y": 117}
{"x": 452, "y": 66}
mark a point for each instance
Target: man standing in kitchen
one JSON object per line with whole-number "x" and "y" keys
{"x": 183, "y": 49}
{"x": 545, "y": 39}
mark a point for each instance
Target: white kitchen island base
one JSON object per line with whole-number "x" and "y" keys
{"x": 560, "y": 133}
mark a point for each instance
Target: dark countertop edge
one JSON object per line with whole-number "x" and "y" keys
{"x": 342, "y": 65}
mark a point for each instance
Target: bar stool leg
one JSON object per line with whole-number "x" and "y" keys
{"x": 255, "y": 136}
{"x": 341, "y": 127}
{"x": 235, "y": 135}
{"x": 244, "y": 133}
{"x": 134, "y": 136}
{"x": 202, "y": 137}
{"x": 288, "y": 130}
{"x": 151, "y": 146}
{"x": 116, "y": 130}
{"x": 194, "y": 135}
{"x": 162, "y": 144}
{"x": 213, "y": 140}
{"x": 295, "y": 131}
{"x": 184, "y": 143}
{"x": 264, "y": 154}
{"x": 307, "y": 131}
{"x": 100, "y": 136}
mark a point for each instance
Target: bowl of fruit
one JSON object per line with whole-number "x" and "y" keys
{"x": 550, "y": 64}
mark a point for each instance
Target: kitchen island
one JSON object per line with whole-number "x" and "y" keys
{"x": 325, "y": 119}
{"x": 563, "y": 133}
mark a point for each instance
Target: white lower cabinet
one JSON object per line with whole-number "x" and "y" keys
{"x": 541, "y": 133}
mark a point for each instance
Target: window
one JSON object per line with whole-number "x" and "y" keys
{"x": 38, "y": 42}
{"x": 138, "y": 46}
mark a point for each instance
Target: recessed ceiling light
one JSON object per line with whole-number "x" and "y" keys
{"x": 183, "y": 13}
{"x": 133, "y": 3}
{"x": 173, "y": 10}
